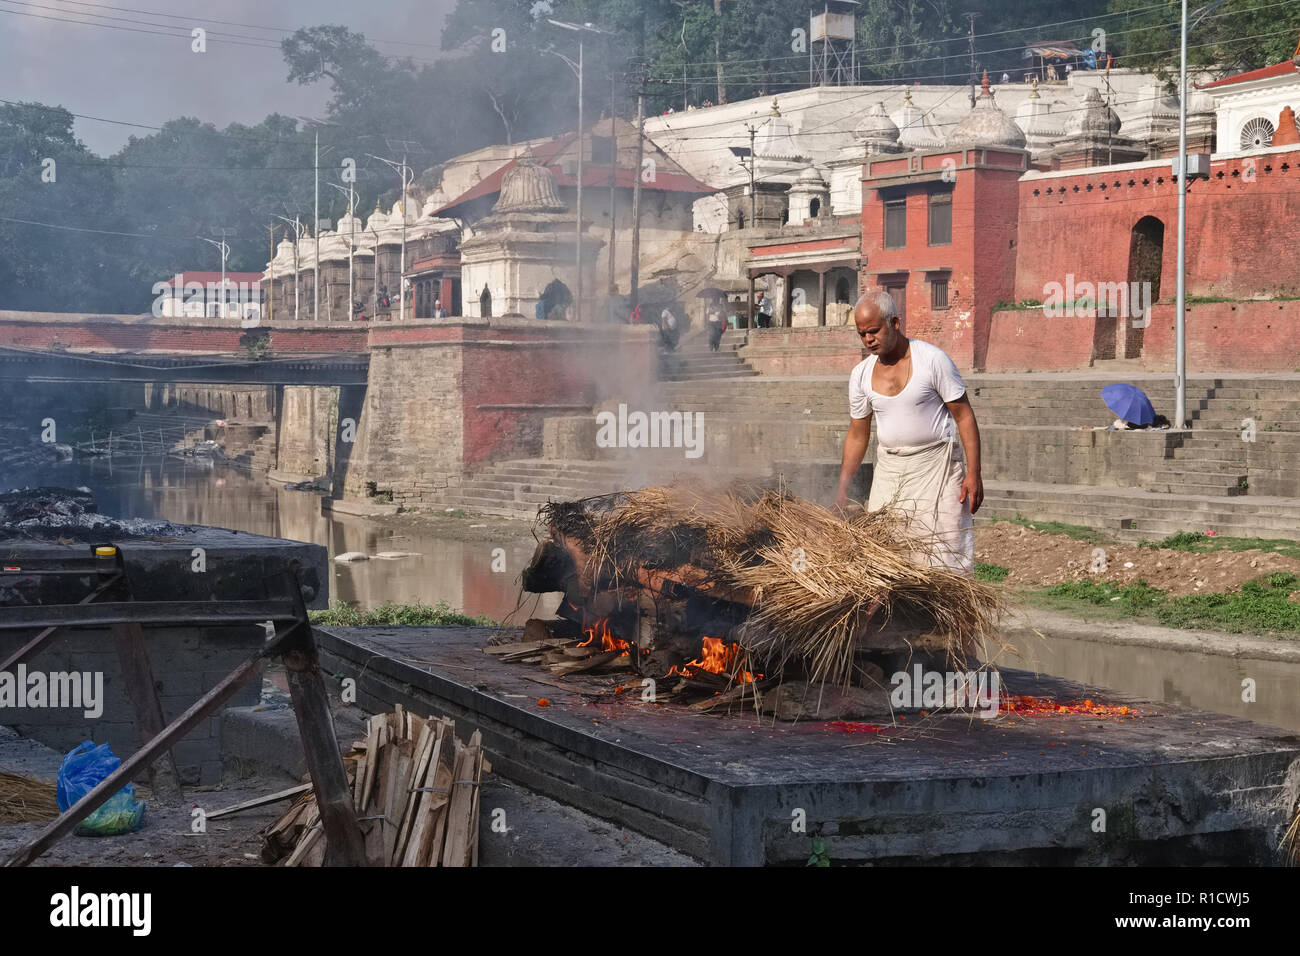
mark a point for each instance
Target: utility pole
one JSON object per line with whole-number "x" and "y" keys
{"x": 613, "y": 181}
{"x": 971, "y": 17}
{"x": 405, "y": 173}
{"x": 271, "y": 312}
{"x": 636, "y": 186}
{"x": 717, "y": 51}
{"x": 580, "y": 29}
{"x": 297, "y": 237}
{"x": 271, "y": 315}
{"x": 315, "y": 266}
{"x": 577, "y": 295}
{"x": 225, "y": 249}
{"x": 352, "y": 237}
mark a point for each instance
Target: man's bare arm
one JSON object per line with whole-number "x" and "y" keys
{"x": 969, "y": 430}
{"x": 855, "y": 449}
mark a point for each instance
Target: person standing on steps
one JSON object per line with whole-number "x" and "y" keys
{"x": 928, "y": 442}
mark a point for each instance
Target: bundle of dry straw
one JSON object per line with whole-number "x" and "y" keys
{"x": 816, "y": 579}
{"x": 26, "y": 799}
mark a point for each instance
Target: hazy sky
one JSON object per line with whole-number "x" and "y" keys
{"x": 137, "y": 65}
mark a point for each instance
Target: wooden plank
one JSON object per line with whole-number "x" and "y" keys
{"x": 577, "y": 667}
{"x": 260, "y": 801}
{"x": 443, "y": 774}
{"x": 311, "y": 707}
{"x": 314, "y": 833}
{"x": 417, "y": 846}
{"x": 142, "y": 694}
{"x": 423, "y": 750}
{"x": 395, "y": 793}
{"x": 460, "y": 811}
{"x": 479, "y": 762}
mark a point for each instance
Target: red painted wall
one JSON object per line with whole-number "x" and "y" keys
{"x": 1240, "y": 226}
{"x": 1228, "y": 336}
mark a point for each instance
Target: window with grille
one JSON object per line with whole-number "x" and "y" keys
{"x": 941, "y": 219}
{"x": 939, "y": 293}
{"x": 895, "y": 223}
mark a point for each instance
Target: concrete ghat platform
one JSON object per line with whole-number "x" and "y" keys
{"x": 1177, "y": 786}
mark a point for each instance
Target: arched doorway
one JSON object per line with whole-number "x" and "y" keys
{"x": 485, "y": 304}
{"x": 814, "y": 207}
{"x": 555, "y": 301}
{"x": 1146, "y": 253}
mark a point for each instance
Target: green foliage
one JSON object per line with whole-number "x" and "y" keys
{"x": 1131, "y": 598}
{"x": 993, "y": 573}
{"x": 397, "y": 615}
{"x": 1260, "y": 605}
{"x": 1199, "y": 542}
{"x": 1240, "y": 35}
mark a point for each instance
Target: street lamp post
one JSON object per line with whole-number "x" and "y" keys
{"x": 297, "y": 237}
{"x": 1180, "y": 322}
{"x": 225, "y": 251}
{"x": 578, "y": 70}
{"x": 407, "y": 176}
{"x": 352, "y": 236}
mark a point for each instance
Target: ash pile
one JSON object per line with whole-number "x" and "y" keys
{"x": 70, "y": 513}
{"x": 726, "y": 595}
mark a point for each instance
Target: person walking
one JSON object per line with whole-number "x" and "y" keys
{"x": 717, "y": 324}
{"x": 763, "y": 308}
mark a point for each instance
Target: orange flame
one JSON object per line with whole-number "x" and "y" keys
{"x": 608, "y": 642}
{"x": 716, "y": 657}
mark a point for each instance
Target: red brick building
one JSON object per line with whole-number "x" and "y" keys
{"x": 1012, "y": 268}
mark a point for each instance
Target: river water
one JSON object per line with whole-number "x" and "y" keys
{"x": 440, "y": 569}
{"x": 463, "y": 573}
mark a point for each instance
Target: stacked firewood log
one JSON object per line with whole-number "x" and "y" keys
{"x": 416, "y": 789}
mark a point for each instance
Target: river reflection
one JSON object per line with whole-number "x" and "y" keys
{"x": 458, "y": 572}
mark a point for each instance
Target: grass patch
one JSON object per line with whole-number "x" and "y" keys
{"x": 1260, "y": 606}
{"x": 993, "y": 573}
{"x": 1199, "y": 542}
{"x": 1076, "y": 531}
{"x": 392, "y": 614}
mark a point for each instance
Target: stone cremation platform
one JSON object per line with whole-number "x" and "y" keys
{"x": 45, "y": 564}
{"x": 1173, "y": 785}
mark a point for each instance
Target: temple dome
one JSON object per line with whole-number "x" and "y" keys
{"x": 986, "y": 125}
{"x": 1098, "y": 118}
{"x": 528, "y": 186}
{"x": 877, "y": 132}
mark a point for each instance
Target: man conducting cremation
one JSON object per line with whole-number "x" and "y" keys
{"x": 919, "y": 401}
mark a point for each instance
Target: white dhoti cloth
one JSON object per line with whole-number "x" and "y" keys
{"x": 924, "y": 483}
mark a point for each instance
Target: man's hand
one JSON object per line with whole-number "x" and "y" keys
{"x": 972, "y": 490}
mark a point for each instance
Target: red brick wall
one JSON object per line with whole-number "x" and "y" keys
{"x": 1025, "y": 340}
{"x": 981, "y": 257}
{"x": 1227, "y": 336}
{"x": 1237, "y": 223}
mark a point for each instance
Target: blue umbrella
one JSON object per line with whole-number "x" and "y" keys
{"x": 1129, "y": 403}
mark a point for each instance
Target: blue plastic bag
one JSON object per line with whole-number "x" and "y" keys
{"x": 81, "y": 772}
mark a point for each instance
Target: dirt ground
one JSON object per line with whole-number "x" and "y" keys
{"x": 166, "y": 838}
{"x": 1037, "y": 558}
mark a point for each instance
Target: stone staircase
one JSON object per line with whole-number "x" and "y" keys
{"x": 517, "y": 488}
{"x": 695, "y": 361}
{"x": 1131, "y": 515}
{"x": 1047, "y": 453}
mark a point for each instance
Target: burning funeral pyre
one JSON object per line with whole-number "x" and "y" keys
{"x": 726, "y": 593}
